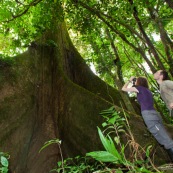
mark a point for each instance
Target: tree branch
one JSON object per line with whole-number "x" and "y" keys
{"x": 33, "y": 3}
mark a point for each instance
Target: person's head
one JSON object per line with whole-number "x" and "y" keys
{"x": 142, "y": 81}
{"x": 161, "y": 75}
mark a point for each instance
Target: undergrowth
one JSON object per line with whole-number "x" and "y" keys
{"x": 113, "y": 158}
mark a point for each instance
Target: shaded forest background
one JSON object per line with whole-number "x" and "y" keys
{"x": 47, "y": 88}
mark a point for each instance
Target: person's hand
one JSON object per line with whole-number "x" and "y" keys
{"x": 171, "y": 105}
{"x": 131, "y": 78}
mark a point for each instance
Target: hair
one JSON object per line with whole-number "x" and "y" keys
{"x": 165, "y": 74}
{"x": 142, "y": 81}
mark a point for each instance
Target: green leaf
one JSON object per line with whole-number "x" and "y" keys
{"x": 104, "y": 124}
{"x": 59, "y": 163}
{"x": 119, "y": 171}
{"x": 109, "y": 144}
{"x": 112, "y": 120}
{"x": 103, "y": 156}
{"x": 4, "y": 161}
{"x": 117, "y": 139}
{"x": 108, "y": 111}
{"x": 46, "y": 144}
{"x": 4, "y": 170}
{"x": 121, "y": 130}
{"x": 148, "y": 150}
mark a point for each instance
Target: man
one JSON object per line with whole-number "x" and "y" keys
{"x": 166, "y": 88}
{"x": 166, "y": 92}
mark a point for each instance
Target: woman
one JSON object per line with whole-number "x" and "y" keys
{"x": 151, "y": 117}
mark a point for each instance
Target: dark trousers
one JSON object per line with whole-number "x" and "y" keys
{"x": 155, "y": 125}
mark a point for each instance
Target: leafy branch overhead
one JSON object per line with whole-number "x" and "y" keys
{"x": 19, "y": 9}
{"x": 132, "y": 23}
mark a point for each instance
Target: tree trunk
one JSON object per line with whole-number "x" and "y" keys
{"x": 53, "y": 94}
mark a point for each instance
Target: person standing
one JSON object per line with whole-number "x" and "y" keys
{"x": 150, "y": 116}
{"x": 166, "y": 88}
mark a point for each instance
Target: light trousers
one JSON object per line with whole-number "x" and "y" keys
{"x": 155, "y": 125}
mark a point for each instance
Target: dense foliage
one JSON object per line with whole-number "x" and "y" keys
{"x": 130, "y": 31}
{"x": 25, "y": 21}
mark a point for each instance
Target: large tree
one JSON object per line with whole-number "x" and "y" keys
{"x": 49, "y": 92}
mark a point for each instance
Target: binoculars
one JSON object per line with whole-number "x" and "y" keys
{"x": 134, "y": 80}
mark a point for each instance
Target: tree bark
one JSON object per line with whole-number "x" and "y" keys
{"x": 53, "y": 94}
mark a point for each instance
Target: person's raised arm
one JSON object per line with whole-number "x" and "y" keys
{"x": 129, "y": 89}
